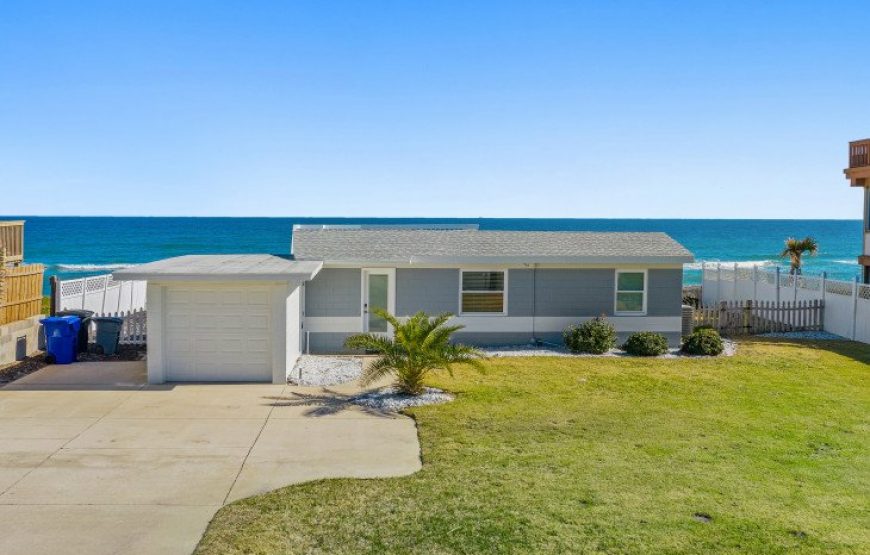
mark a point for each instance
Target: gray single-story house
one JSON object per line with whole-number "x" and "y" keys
{"x": 248, "y": 317}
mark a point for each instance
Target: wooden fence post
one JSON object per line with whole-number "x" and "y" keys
{"x": 747, "y": 317}
{"x": 718, "y": 281}
{"x": 2, "y": 282}
{"x": 52, "y": 302}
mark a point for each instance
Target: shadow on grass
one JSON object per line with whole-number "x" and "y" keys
{"x": 843, "y": 347}
{"x": 325, "y": 404}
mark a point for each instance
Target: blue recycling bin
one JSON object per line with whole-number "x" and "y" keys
{"x": 84, "y": 324}
{"x": 61, "y": 333}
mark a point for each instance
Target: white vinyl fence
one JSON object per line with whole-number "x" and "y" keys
{"x": 106, "y": 297}
{"x": 100, "y": 294}
{"x": 846, "y": 303}
{"x": 133, "y": 330}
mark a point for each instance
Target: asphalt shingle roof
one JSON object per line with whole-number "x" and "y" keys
{"x": 466, "y": 245}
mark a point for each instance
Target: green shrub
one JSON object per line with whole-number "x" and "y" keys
{"x": 646, "y": 344}
{"x": 596, "y": 336}
{"x": 703, "y": 341}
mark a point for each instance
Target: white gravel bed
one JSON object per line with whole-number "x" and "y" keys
{"x": 390, "y": 399}
{"x": 313, "y": 370}
{"x": 528, "y": 350}
{"x": 803, "y": 335}
{"x": 531, "y": 350}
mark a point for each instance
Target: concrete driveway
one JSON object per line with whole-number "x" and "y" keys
{"x": 94, "y": 461}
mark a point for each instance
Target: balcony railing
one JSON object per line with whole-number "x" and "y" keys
{"x": 12, "y": 239}
{"x": 859, "y": 154}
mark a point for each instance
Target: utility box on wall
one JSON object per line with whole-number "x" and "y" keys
{"x": 19, "y": 339}
{"x": 21, "y": 348}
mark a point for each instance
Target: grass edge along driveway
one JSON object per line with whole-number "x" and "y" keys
{"x": 765, "y": 452}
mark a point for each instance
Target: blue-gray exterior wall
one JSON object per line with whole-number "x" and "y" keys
{"x": 664, "y": 293}
{"x": 547, "y": 292}
{"x": 432, "y": 290}
{"x": 564, "y": 292}
{"x": 334, "y": 292}
{"x": 544, "y": 292}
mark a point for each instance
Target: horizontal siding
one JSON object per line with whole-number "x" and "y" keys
{"x": 665, "y": 292}
{"x": 334, "y": 292}
{"x": 574, "y": 292}
{"x": 428, "y": 289}
{"x": 520, "y": 293}
{"x": 561, "y": 296}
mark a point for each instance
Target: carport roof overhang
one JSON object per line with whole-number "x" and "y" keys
{"x": 222, "y": 267}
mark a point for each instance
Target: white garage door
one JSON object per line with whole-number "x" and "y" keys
{"x": 218, "y": 333}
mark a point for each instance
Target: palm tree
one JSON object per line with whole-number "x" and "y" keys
{"x": 795, "y": 249}
{"x": 419, "y": 345}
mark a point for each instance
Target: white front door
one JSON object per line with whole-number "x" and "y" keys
{"x": 378, "y": 291}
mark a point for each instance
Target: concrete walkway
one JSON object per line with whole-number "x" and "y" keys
{"x": 94, "y": 461}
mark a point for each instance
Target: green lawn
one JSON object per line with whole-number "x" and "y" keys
{"x": 552, "y": 455}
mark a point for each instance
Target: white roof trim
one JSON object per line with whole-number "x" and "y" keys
{"x": 244, "y": 267}
{"x": 502, "y": 260}
{"x": 552, "y": 259}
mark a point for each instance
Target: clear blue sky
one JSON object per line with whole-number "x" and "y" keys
{"x": 501, "y": 109}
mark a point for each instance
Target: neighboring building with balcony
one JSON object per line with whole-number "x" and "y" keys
{"x": 858, "y": 174}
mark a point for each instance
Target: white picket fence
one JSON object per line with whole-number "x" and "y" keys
{"x": 846, "y": 303}
{"x": 100, "y": 294}
{"x": 133, "y": 330}
{"x": 751, "y": 317}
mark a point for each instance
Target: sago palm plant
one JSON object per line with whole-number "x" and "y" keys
{"x": 796, "y": 248}
{"x": 419, "y": 345}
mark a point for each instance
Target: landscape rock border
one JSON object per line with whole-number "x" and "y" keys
{"x": 532, "y": 350}
{"x": 389, "y": 399}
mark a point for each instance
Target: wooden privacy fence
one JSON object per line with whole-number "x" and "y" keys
{"x": 748, "y": 317}
{"x": 12, "y": 239}
{"x": 20, "y": 292}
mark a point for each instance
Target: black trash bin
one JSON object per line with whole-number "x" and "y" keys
{"x": 108, "y": 334}
{"x": 85, "y": 316}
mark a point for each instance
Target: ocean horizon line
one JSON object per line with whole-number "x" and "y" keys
{"x": 433, "y": 218}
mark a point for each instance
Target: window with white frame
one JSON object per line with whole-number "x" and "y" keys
{"x": 482, "y": 292}
{"x": 630, "y": 291}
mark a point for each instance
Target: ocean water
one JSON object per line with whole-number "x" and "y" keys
{"x": 72, "y": 247}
